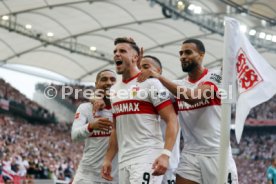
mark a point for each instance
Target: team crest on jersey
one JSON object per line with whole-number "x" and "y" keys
{"x": 134, "y": 91}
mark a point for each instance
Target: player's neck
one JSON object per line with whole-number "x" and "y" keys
{"x": 107, "y": 101}
{"x": 132, "y": 72}
{"x": 196, "y": 73}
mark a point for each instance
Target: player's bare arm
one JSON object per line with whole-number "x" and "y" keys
{"x": 110, "y": 154}
{"x": 168, "y": 115}
{"x": 190, "y": 96}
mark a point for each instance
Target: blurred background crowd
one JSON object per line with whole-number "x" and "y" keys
{"x": 41, "y": 147}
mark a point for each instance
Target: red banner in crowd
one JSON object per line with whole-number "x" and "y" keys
{"x": 254, "y": 122}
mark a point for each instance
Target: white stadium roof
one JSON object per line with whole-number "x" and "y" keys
{"x": 74, "y": 38}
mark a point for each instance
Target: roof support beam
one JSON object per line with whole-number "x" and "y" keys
{"x": 176, "y": 41}
{"x": 62, "y": 43}
{"x": 241, "y": 8}
{"x": 48, "y": 6}
{"x": 214, "y": 24}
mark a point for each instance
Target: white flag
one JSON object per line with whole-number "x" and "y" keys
{"x": 255, "y": 78}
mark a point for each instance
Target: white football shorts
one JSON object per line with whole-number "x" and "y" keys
{"x": 138, "y": 174}
{"x": 204, "y": 169}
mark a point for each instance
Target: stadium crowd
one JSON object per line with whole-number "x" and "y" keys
{"x": 264, "y": 111}
{"x": 254, "y": 153}
{"x": 37, "y": 151}
{"x": 72, "y": 94}
{"x": 12, "y": 97}
{"x": 47, "y": 152}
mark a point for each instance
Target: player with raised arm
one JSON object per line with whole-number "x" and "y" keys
{"x": 199, "y": 112}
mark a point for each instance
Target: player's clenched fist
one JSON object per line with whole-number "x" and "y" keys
{"x": 106, "y": 170}
{"x": 160, "y": 165}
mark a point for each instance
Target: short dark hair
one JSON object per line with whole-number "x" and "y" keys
{"x": 100, "y": 72}
{"x": 198, "y": 43}
{"x": 130, "y": 41}
{"x": 155, "y": 59}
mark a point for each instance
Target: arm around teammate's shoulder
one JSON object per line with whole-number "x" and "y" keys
{"x": 191, "y": 96}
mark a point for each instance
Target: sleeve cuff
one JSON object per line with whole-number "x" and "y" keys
{"x": 163, "y": 105}
{"x": 211, "y": 84}
{"x": 89, "y": 129}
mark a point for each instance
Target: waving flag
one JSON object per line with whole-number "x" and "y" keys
{"x": 251, "y": 77}
{"x": 255, "y": 78}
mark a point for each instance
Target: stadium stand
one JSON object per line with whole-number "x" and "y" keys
{"x": 13, "y": 101}
{"x": 264, "y": 111}
{"x": 46, "y": 152}
{"x": 254, "y": 152}
{"x": 71, "y": 100}
{"x": 74, "y": 39}
{"x": 35, "y": 151}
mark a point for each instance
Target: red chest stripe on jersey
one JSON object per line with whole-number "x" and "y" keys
{"x": 211, "y": 84}
{"x": 108, "y": 107}
{"x": 183, "y": 106}
{"x": 163, "y": 104}
{"x": 133, "y": 107}
{"x": 99, "y": 133}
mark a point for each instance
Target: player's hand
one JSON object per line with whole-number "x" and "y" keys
{"x": 140, "y": 57}
{"x": 106, "y": 170}
{"x": 101, "y": 124}
{"x": 160, "y": 165}
{"x": 98, "y": 105}
{"x": 147, "y": 73}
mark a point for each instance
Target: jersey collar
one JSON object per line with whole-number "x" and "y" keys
{"x": 205, "y": 71}
{"x": 130, "y": 79}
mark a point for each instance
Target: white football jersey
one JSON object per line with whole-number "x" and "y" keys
{"x": 200, "y": 122}
{"x": 96, "y": 142}
{"x": 135, "y": 107}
